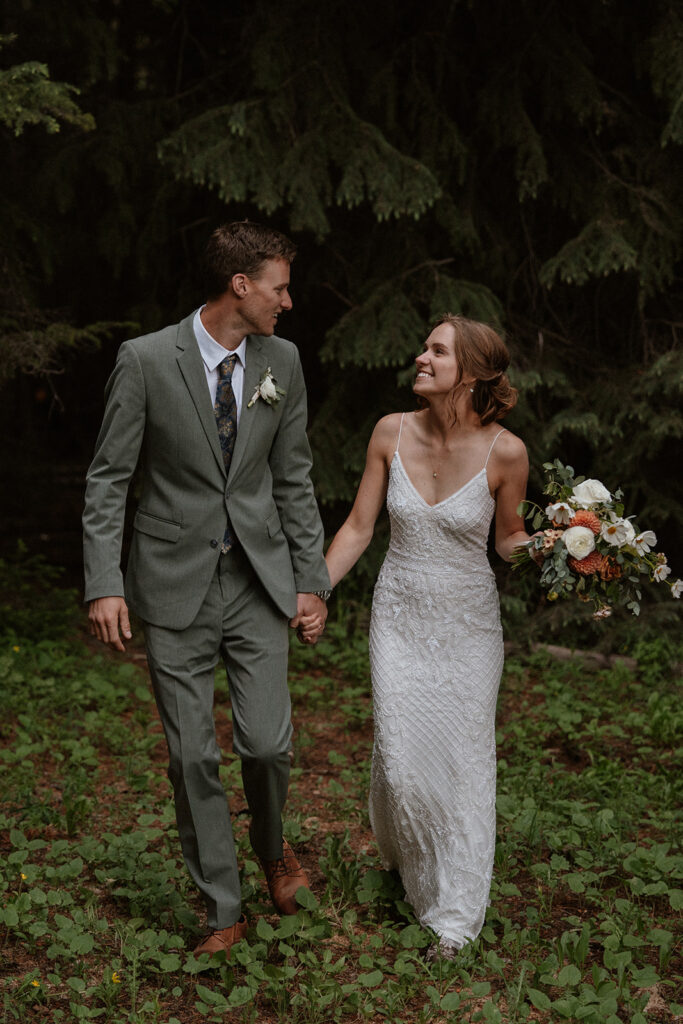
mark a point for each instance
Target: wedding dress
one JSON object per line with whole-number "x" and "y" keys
{"x": 436, "y": 654}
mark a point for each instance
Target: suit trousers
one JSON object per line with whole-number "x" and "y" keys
{"x": 240, "y": 624}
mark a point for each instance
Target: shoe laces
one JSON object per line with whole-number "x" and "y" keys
{"x": 282, "y": 866}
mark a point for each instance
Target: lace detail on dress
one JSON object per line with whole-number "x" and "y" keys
{"x": 436, "y": 655}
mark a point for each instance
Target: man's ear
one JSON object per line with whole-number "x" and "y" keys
{"x": 239, "y": 284}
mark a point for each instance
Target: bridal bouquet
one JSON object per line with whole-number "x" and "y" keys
{"x": 586, "y": 546}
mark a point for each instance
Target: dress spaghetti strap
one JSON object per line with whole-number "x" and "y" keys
{"x": 492, "y": 444}
{"x": 400, "y": 429}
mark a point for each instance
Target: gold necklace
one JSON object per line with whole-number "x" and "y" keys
{"x": 437, "y": 470}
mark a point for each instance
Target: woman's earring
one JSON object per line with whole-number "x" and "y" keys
{"x": 472, "y": 390}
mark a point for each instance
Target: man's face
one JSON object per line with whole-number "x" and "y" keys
{"x": 265, "y": 297}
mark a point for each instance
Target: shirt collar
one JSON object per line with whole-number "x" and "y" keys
{"x": 211, "y": 352}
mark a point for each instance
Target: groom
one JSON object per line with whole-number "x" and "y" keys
{"x": 227, "y": 547}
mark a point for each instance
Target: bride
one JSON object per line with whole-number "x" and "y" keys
{"x": 436, "y": 647}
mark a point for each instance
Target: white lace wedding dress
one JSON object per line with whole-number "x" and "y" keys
{"x": 436, "y": 653}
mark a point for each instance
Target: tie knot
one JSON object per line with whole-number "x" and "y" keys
{"x": 226, "y": 367}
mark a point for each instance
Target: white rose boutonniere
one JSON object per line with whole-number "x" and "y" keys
{"x": 590, "y": 492}
{"x": 267, "y": 389}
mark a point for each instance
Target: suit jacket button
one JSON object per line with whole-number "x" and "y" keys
{"x": 213, "y": 543}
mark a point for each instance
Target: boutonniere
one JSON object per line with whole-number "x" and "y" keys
{"x": 267, "y": 390}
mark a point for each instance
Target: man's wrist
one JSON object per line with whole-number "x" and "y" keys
{"x": 324, "y": 595}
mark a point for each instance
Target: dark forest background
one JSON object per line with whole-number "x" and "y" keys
{"x": 518, "y": 162}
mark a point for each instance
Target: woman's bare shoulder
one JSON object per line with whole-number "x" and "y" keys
{"x": 510, "y": 449}
{"x": 387, "y": 429}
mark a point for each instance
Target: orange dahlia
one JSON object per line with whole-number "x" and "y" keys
{"x": 610, "y": 570}
{"x": 586, "y": 566}
{"x": 586, "y": 518}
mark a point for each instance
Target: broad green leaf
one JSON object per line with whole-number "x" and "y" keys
{"x": 370, "y": 980}
{"x": 676, "y": 899}
{"x": 451, "y": 1001}
{"x": 569, "y": 975}
{"x": 538, "y": 999}
{"x": 9, "y": 916}
{"x": 170, "y": 962}
{"x": 644, "y": 977}
{"x": 288, "y": 926}
{"x": 264, "y": 930}
{"x": 305, "y": 898}
{"x": 240, "y": 995}
{"x": 82, "y": 944}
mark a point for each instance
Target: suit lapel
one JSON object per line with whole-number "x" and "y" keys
{"x": 256, "y": 365}
{"x": 191, "y": 366}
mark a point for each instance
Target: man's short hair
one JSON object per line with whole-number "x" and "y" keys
{"x": 241, "y": 247}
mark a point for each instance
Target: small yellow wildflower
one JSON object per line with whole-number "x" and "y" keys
{"x": 115, "y": 978}
{"x": 16, "y": 649}
{"x": 23, "y": 876}
{"x": 35, "y": 983}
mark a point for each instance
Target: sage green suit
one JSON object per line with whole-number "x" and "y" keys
{"x": 196, "y": 604}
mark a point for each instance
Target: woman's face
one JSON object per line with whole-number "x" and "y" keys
{"x": 437, "y": 367}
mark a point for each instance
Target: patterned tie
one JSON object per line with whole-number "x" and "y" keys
{"x": 225, "y": 409}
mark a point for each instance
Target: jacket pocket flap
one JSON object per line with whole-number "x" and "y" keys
{"x": 273, "y": 524}
{"x": 153, "y": 526}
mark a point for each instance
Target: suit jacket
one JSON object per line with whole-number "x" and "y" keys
{"x": 159, "y": 415}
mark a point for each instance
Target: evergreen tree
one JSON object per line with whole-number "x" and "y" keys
{"x": 518, "y": 163}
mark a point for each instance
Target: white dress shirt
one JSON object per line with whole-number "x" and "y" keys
{"x": 212, "y": 354}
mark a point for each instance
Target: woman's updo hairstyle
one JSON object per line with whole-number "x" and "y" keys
{"x": 482, "y": 354}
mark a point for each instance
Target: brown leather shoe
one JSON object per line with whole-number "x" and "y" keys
{"x": 223, "y": 938}
{"x": 284, "y": 876}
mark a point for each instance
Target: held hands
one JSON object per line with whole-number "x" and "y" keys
{"x": 107, "y": 616}
{"x": 310, "y": 629}
{"x": 310, "y": 617}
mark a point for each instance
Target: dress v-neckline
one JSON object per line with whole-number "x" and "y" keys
{"x": 450, "y": 496}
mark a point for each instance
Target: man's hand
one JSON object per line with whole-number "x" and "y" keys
{"x": 309, "y": 621}
{"x": 107, "y": 615}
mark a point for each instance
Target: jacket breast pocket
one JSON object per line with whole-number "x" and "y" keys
{"x": 154, "y": 526}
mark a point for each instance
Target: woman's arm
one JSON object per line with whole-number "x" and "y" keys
{"x": 512, "y": 470}
{"x": 355, "y": 534}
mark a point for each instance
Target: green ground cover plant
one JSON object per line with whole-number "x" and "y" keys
{"x": 97, "y": 915}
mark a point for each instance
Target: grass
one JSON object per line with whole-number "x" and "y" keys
{"x": 97, "y": 913}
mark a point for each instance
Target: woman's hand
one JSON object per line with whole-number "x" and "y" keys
{"x": 310, "y": 628}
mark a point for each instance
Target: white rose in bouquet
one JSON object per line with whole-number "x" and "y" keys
{"x": 579, "y": 541}
{"x": 590, "y": 492}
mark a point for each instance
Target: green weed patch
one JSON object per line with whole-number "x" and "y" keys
{"x": 97, "y": 914}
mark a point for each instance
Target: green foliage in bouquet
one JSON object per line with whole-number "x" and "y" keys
{"x": 586, "y": 546}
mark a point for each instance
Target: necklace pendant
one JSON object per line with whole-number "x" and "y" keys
{"x": 434, "y": 474}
